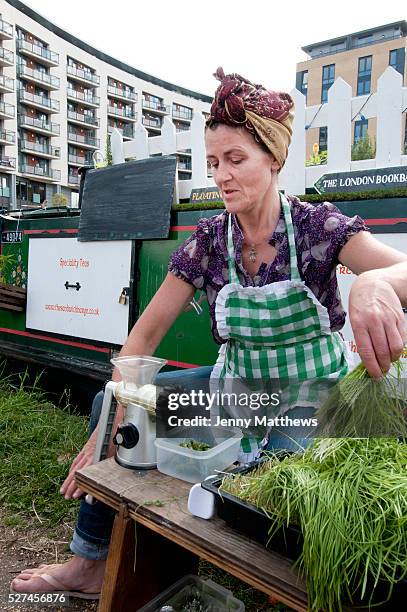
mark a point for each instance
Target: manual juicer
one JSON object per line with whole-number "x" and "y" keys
{"x": 135, "y": 437}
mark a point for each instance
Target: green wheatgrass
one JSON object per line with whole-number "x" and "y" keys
{"x": 348, "y": 496}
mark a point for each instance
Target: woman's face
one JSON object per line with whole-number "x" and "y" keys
{"x": 245, "y": 174}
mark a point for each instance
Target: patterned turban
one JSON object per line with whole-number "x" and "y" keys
{"x": 268, "y": 115}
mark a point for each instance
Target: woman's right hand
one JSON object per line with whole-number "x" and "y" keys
{"x": 69, "y": 489}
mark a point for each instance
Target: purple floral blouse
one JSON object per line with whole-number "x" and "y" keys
{"x": 320, "y": 233}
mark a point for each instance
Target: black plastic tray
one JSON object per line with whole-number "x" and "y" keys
{"x": 252, "y": 521}
{"x": 288, "y": 540}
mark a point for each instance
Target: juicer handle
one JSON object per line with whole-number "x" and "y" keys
{"x": 108, "y": 407}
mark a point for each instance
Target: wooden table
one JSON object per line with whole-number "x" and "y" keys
{"x": 156, "y": 541}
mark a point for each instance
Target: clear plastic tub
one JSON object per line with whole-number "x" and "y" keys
{"x": 192, "y": 593}
{"x": 195, "y": 466}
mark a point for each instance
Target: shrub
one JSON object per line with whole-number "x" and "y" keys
{"x": 59, "y": 199}
{"x": 364, "y": 148}
{"x": 317, "y": 159}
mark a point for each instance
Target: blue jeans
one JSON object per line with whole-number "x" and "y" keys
{"x": 94, "y": 526}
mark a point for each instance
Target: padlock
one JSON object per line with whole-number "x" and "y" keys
{"x": 122, "y": 298}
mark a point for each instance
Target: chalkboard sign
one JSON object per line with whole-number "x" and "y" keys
{"x": 130, "y": 201}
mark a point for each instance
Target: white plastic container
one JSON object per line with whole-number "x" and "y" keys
{"x": 195, "y": 466}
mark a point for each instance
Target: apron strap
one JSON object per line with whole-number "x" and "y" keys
{"x": 233, "y": 277}
{"x": 294, "y": 271}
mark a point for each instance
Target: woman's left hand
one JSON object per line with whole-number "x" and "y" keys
{"x": 377, "y": 320}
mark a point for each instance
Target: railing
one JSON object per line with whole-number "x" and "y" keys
{"x": 7, "y": 162}
{"x": 38, "y": 50}
{"x": 6, "y": 81}
{"x": 84, "y": 97}
{"x": 73, "y": 179}
{"x": 38, "y": 147}
{"x": 5, "y": 192}
{"x": 84, "y": 118}
{"x": 158, "y": 106}
{"x": 81, "y": 160}
{"x": 122, "y": 112}
{"x": 5, "y": 27}
{"x": 26, "y": 96}
{"x": 44, "y": 77}
{"x": 40, "y": 171}
{"x": 7, "y": 109}
{"x": 152, "y": 123}
{"x": 126, "y": 131}
{"x": 33, "y": 122}
{"x": 8, "y": 136}
{"x": 124, "y": 93}
{"x": 182, "y": 114}
{"x": 86, "y": 75}
{"x": 354, "y": 45}
{"x": 184, "y": 165}
{"x": 6, "y": 55}
{"x": 83, "y": 139}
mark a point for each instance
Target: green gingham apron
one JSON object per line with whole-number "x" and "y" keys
{"x": 276, "y": 331}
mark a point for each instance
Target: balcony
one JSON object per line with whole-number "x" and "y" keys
{"x": 80, "y": 160}
{"x": 126, "y": 113}
{"x": 46, "y": 104}
{"x": 121, "y": 94}
{"x": 40, "y": 78}
{"x": 47, "y": 174}
{"x": 157, "y": 107}
{"x": 39, "y": 149}
{"x": 6, "y": 84}
{"x": 126, "y": 131}
{"x": 6, "y": 57}
{"x": 38, "y": 125}
{"x": 7, "y": 111}
{"x": 87, "y": 99}
{"x": 84, "y": 140}
{"x": 7, "y": 164}
{"x": 74, "y": 179}
{"x": 7, "y": 137}
{"x": 184, "y": 115}
{"x": 154, "y": 124}
{"x": 6, "y": 30}
{"x": 46, "y": 57}
{"x": 185, "y": 165}
{"x": 82, "y": 76}
{"x": 81, "y": 119}
{"x": 5, "y": 196}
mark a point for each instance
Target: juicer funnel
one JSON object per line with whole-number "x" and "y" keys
{"x": 138, "y": 370}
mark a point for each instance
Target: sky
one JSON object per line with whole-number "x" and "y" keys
{"x": 184, "y": 41}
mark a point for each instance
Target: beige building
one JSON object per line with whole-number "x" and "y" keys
{"x": 60, "y": 98}
{"x": 359, "y": 59}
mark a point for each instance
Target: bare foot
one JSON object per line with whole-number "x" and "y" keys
{"x": 77, "y": 574}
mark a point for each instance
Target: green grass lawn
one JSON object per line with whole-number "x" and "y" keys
{"x": 38, "y": 442}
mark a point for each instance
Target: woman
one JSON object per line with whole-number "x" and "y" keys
{"x": 267, "y": 264}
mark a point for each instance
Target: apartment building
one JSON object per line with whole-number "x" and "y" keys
{"x": 59, "y": 100}
{"x": 360, "y": 59}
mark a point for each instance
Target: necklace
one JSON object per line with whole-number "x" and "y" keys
{"x": 252, "y": 253}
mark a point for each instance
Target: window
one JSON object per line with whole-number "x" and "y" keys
{"x": 397, "y": 58}
{"x": 364, "y": 75}
{"x": 323, "y": 139}
{"x": 360, "y": 130}
{"x": 328, "y": 77}
{"x": 302, "y": 82}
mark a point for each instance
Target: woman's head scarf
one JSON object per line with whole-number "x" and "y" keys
{"x": 267, "y": 114}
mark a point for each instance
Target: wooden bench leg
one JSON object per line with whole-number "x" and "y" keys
{"x": 159, "y": 563}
